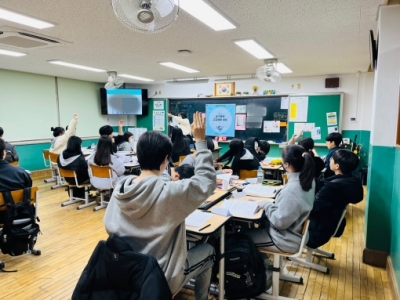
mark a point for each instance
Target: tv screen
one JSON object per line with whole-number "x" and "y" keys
{"x": 124, "y": 102}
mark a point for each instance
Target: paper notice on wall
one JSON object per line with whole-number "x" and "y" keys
{"x": 316, "y": 133}
{"x": 284, "y": 102}
{"x": 158, "y": 104}
{"x": 298, "y": 109}
{"x": 308, "y": 127}
{"x": 272, "y": 126}
{"x": 333, "y": 129}
{"x": 240, "y": 109}
{"x": 298, "y": 127}
{"x": 158, "y": 120}
{"x": 240, "y": 122}
{"x": 331, "y": 118}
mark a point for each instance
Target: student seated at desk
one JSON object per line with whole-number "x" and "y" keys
{"x": 72, "y": 159}
{"x": 11, "y": 177}
{"x": 180, "y": 145}
{"x": 126, "y": 140}
{"x": 183, "y": 124}
{"x": 333, "y": 142}
{"x": 11, "y": 152}
{"x": 108, "y": 130}
{"x": 182, "y": 172}
{"x": 59, "y": 143}
{"x": 103, "y": 156}
{"x": 258, "y": 148}
{"x": 242, "y": 158}
{"x": 335, "y": 193}
{"x": 285, "y": 217}
{"x": 149, "y": 211}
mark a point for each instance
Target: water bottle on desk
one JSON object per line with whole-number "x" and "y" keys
{"x": 260, "y": 175}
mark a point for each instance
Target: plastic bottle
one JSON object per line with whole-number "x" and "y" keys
{"x": 260, "y": 175}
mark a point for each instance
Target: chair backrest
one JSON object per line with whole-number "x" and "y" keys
{"x": 14, "y": 163}
{"x": 46, "y": 158}
{"x": 284, "y": 179}
{"x": 340, "y": 220}
{"x": 100, "y": 172}
{"x": 18, "y": 196}
{"x": 53, "y": 157}
{"x": 247, "y": 174}
{"x": 181, "y": 158}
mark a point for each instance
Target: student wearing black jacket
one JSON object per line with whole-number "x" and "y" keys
{"x": 258, "y": 148}
{"x": 335, "y": 193}
{"x": 116, "y": 139}
{"x": 180, "y": 145}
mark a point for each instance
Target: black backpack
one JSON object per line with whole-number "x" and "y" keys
{"x": 20, "y": 229}
{"x": 244, "y": 267}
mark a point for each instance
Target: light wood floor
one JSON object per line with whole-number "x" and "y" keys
{"x": 70, "y": 235}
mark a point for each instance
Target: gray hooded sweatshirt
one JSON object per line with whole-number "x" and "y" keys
{"x": 152, "y": 212}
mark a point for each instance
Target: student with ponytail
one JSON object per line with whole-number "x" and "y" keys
{"x": 59, "y": 143}
{"x": 286, "y": 216}
{"x": 242, "y": 158}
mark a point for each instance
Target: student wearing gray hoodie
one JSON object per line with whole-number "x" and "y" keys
{"x": 286, "y": 215}
{"x": 150, "y": 210}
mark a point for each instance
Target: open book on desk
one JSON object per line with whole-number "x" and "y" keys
{"x": 258, "y": 190}
{"x": 239, "y": 207}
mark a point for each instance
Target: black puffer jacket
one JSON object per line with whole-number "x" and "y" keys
{"x": 335, "y": 193}
{"x": 75, "y": 162}
{"x": 249, "y": 144}
{"x": 115, "y": 271}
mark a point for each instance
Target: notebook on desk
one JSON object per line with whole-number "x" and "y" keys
{"x": 258, "y": 190}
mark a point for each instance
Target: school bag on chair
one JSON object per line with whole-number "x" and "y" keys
{"x": 244, "y": 267}
{"x": 20, "y": 229}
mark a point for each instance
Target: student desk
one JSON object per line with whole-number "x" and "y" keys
{"x": 215, "y": 152}
{"x": 275, "y": 170}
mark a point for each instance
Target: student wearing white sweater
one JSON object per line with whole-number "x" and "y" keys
{"x": 149, "y": 211}
{"x": 59, "y": 143}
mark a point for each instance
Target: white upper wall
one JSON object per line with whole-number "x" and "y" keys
{"x": 357, "y": 93}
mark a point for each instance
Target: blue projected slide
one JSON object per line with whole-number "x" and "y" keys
{"x": 124, "y": 101}
{"x": 220, "y": 120}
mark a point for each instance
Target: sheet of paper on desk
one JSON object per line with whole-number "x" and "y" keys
{"x": 259, "y": 190}
{"x": 239, "y": 207}
{"x": 224, "y": 177}
{"x": 197, "y": 218}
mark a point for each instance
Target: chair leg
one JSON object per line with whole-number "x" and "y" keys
{"x": 308, "y": 261}
{"x": 328, "y": 254}
{"x": 73, "y": 199}
{"x": 87, "y": 203}
{"x": 103, "y": 203}
{"x": 287, "y": 277}
{"x": 60, "y": 181}
{"x": 53, "y": 178}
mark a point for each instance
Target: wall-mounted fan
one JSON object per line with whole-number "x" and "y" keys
{"x": 269, "y": 72}
{"x": 146, "y": 16}
{"x": 373, "y": 50}
{"x": 114, "y": 81}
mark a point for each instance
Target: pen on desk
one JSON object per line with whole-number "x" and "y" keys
{"x": 204, "y": 227}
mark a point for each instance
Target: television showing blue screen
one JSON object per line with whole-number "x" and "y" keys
{"x": 124, "y": 102}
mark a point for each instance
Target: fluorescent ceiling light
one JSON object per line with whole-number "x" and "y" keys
{"x": 21, "y": 19}
{"x": 179, "y": 67}
{"x": 11, "y": 53}
{"x": 282, "y": 68}
{"x": 207, "y": 13}
{"x": 254, "y": 48}
{"x": 189, "y": 80}
{"x": 62, "y": 63}
{"x": 135, "y": 77}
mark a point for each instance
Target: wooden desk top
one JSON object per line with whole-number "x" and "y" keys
{"x": 131, "y": 165}
{"x": 216, "y": 222}
{"x": 270, "y": 167}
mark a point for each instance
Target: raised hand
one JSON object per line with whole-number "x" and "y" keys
{"x": 198, "y": 127}
{"x": 75, "y": 116}
{"x": 121, "y": 123}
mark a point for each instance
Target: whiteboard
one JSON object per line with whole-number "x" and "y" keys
{"x": 28, "y": 105}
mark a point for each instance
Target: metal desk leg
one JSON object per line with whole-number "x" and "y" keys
{"x": 222, "y": 265}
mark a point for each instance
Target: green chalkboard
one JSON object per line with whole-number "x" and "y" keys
{"x": 258, "y": 109}
{"x": 318, "y": 107}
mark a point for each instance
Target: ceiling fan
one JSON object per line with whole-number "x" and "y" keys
{"x": 146, "y": 16}
{"x": 269, "y": 72}
{"x": 114, "y": 81}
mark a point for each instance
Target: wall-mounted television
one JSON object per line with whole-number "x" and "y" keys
{"x": 124, "y": 102}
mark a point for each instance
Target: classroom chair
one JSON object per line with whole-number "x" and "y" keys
{"x": 18, "y": 196}
{"x": 47, "y": 163}
{"x": 308, "y": 261}
{"x": 278, "y": 264}
{"x": 59, "y": 179}
{"x": 71, "y": 174}
{"x": 14, "y": 163}
{"x": 101, "y": 172}
{"x": 244, "y": 174}
{"x": 181, "y": 158}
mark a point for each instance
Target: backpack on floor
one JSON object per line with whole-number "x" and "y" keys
{"x": 20, "y": 229}
{"x": 244, "y": 267}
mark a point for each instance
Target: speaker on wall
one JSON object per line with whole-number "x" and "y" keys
{"x": 332, "y": 82}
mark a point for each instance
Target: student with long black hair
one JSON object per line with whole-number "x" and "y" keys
{"x": 242, "y": 158}
{"x": 180, "y": 145}
{"x": 104, "y": 156}
{"x": 285, "y": 217}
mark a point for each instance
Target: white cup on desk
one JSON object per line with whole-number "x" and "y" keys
{"x": 225, "y": 185}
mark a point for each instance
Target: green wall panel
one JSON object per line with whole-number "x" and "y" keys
{"x": 395, "y": 220}
{"x": 147, "y": 121}
{"x": 379, "y": 198}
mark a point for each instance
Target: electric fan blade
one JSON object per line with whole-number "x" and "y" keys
{"x": 164, "y": 7}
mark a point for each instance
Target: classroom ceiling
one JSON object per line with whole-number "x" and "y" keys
{"x": 312, "y": 37}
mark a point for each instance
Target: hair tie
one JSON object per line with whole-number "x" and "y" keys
{"x": 304, "y": 154}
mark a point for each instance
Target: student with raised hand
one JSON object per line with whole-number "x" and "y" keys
{"x": 335, "y": 193}
{"x": 59, "y": 143}
{"x": 11, "y": 152}
{"x": 108, "y": 130}
{"x": 126, "y": 140}
{"x": 104, "y": 156}
{"x": 333, "y": 142}
{"x": 183, "y": 123}
{"x": 149, "y": 211}
{"x": 240, "y": 157}
{"x": 258, "y": 148}
{"x": 285, "y": 217}
{"x": 180, "y": 145}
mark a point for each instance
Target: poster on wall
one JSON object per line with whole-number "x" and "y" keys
{"x": 158, "y": 120}
{"x": 220, "y": 120}
{"x": 271, "y": 126}
{"x": 240, "y": 109}
{"x": 331, "y": 118}
{"x": 240, "y": 123}
{"x": 298, "y": 109}
{"x": 158, "y": 104}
